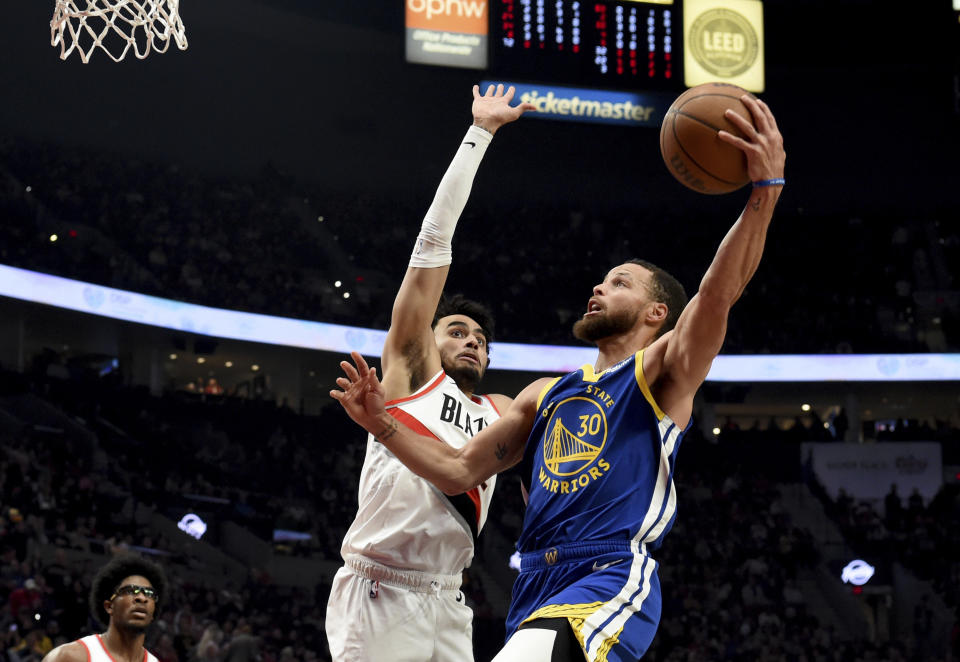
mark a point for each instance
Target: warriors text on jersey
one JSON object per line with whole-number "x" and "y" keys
{"x": 599, "y": 461}
{"x": 403, "y": 521}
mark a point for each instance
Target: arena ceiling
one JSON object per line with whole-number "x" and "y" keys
{"x": 864, "y": 92}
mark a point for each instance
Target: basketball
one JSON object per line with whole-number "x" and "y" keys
{"x": 689, "y": 144}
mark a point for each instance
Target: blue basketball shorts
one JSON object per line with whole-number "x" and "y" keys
{"x": 607, "y": 590}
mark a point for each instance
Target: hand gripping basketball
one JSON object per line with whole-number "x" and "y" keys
{"x": 716, "y": 137}
{"x": 764, "y": 151}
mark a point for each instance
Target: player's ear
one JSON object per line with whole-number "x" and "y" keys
{"x": 108, "y": 607}
{"x": 657, "y": 312}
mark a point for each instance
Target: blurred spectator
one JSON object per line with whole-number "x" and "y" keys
{"x": 730, "y": 569}
{"x": 893, "y": 508}
{"x": 273, "y": 245}
{"x": 208, "y": 648}
{"x": 25, "y": 601}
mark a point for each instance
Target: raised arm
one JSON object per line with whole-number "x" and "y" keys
{"x": 492, "y": 450}
{"x": 410, "y": 355}
{"x": 679, "y": 362}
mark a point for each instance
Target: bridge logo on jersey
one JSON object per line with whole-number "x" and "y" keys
{"x": 574, "y": 437}
{"x": 565, "y": 453}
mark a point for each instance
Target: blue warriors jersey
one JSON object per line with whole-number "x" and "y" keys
{"x": 598, "y": 468}
{"x": 599, "y": 461}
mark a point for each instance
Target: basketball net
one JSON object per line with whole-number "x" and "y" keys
{"x": 116, "y": 26}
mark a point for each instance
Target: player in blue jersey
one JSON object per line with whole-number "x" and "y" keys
{"x": 598, "y": 445}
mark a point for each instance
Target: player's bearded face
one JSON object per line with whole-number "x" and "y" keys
{"x": 606, "y": 323}
{"x": 463, "y": 350}
{"x": 467, "y": 377}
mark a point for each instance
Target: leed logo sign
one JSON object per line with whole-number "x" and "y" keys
{"x": 723, "y": 42}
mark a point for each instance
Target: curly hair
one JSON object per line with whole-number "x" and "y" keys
{"x": 109, "y": 577}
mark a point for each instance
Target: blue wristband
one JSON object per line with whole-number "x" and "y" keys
{"x": 779, "y": 181}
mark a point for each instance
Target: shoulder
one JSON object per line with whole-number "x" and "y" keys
{"x": 526, "y": 400}
{"x": 75, "y": 651}
{"x": 531, "y": 395}
{"x": 500, "y": 402}
{"x": 672, "y": 394}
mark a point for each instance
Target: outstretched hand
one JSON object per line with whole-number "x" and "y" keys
{"x": 762, "y": 144}
{"x": 362, "y": 396}
{"x": 492, "y": 110}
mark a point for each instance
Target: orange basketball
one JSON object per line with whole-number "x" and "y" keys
{"x": 689, "y": 143}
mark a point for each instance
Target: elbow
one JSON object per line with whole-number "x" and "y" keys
{"x": 454, "y": 486}
{"x": 458, "y": 481}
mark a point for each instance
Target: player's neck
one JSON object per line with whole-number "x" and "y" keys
{"x": 124, "y": 646}
{"x": 466, "y": 391}
{"x": 616, "y": 348}
{"x": 466, "y": 383}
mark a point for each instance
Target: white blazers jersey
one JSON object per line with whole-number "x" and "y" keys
{"x": 97, "y": 652}
{"x": 403, "y": 521}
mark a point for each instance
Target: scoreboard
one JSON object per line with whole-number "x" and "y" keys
{"x": 605, "y": 43}
{"x": 620, "y": 61}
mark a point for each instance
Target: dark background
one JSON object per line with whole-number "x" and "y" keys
{"x": 299, "y": 98}
{"x": 863, "y": 92}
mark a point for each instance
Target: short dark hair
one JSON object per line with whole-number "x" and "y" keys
{"x": 457, "y": 304}
{"x": 666, "y": 290}
{"x": 109, "y": 577}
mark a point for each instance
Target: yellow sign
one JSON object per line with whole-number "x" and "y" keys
{"x": 723, "y": 42}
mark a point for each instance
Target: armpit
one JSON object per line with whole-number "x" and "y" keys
{"x": 415, "y": 358}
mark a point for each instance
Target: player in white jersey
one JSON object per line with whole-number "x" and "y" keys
{"x": 398, "y": 597}
{"x": 124, "y": 595}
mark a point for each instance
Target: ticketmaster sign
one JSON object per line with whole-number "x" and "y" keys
{"x": 584, "y": 105}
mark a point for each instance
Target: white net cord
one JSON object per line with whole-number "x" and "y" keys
{"x": 116, "y": 27}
